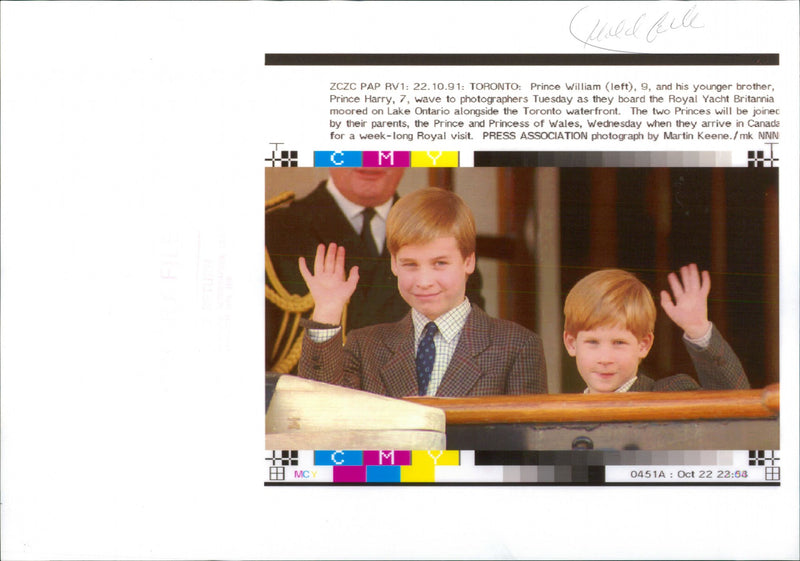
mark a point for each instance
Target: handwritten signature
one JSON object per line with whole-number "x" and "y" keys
{"x": 606, "y": 33}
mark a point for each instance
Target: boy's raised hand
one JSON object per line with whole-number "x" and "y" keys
{"x": 327, "y": 284}
{"x": 690, "y": 309}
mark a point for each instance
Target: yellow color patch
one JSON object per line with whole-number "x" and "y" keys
{"x": 436, "y": 457}
{"x": 417, "y": 474}
{"x": 434, "y": 159}
{"x": 424, "y": 462}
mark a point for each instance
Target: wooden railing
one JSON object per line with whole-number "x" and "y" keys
{"x": 644, "y": 406}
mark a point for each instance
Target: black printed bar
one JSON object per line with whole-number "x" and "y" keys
{"x": 546, "y": 457}
{"x": 615, "y": 457}
{"x": 647, "y": 159}
{"x": 520, "y": 59}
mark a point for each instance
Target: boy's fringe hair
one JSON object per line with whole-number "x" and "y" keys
{"x": 609, "y": 298}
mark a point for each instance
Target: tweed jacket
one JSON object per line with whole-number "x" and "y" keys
{"x": 717, "y": 366}
{"x": 299, "y": 228}
{"x": 493, "y": 357}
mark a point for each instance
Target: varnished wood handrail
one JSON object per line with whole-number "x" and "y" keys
{"x": 772, "y": 397}
{"x": 644, "y": 406}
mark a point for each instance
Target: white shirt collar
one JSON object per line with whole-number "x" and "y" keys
{"x": 623, "y": 388}
{"x": 449, "y": 324}
{"x": 352, "y": 210}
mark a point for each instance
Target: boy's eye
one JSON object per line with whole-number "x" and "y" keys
{"x": 620, "y": 342}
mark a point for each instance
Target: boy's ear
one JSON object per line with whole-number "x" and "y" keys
{"x": 394, "y": 265}
{"x": 569, "y": 343}
{"x": 469, "y": 263}
{"x": 645, "y": 344}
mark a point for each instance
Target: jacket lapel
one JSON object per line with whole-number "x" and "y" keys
{"x": 463, "y": 371}
{"x": 642, "y": 384}
{"x": 398, "y": 372}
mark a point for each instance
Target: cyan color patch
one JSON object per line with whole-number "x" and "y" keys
{"x": 338, "y": 458}
{"x": 383, "y": 474}
{"x": 337, "y": 159}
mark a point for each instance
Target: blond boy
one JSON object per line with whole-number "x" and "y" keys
{"x": 444, "y": 346}
{"x": 609, "y": 318}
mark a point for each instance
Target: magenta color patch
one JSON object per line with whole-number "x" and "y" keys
{"x": 349, "y": 474}
{"x": 386, "y": 159}
{"x": 387, "y": 458}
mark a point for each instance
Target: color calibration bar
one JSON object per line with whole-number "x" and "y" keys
{"x": 386, "y": 159}
{"x": 448, "y": 159}
{"x": 759, "y": 155}
{"x": 570, "y": 467}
